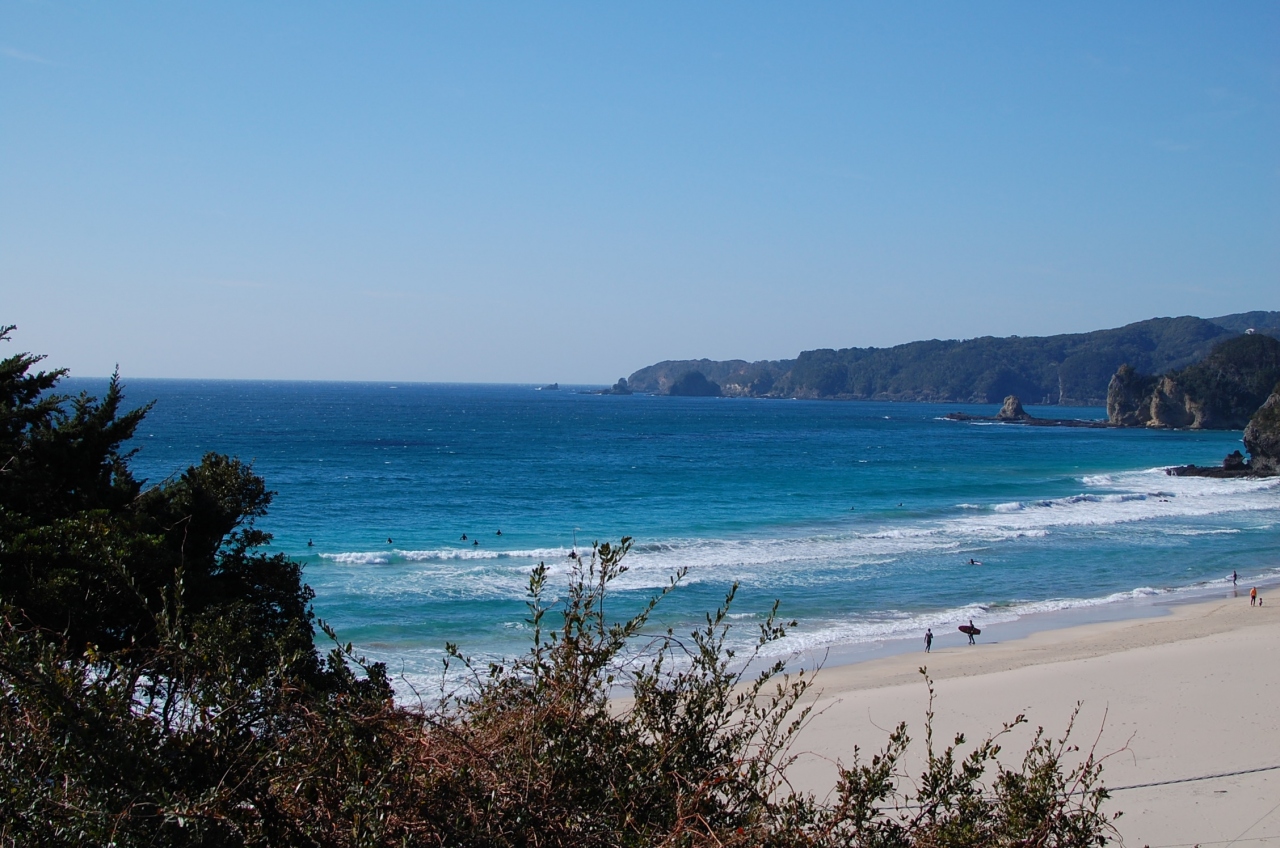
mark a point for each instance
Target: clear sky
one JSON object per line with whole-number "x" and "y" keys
{"x": 530, "y": 192}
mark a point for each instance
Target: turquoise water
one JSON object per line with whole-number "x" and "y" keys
{"x": 860, "y": 517}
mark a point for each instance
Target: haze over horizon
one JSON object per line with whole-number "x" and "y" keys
{"x": 567, "y": 192}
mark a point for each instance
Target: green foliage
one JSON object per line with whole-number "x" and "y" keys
{"x": 1071, "y": 368}
{"x": 151, "y": 653}
{"x": 159, "y": 685}
{"x": 537, "y": 752}
{"x": 1235, "y": 378}
{"x": 1267, "y": 323}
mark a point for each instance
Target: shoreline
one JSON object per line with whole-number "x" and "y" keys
{"x": 1183, "y": 694}
{"x": 1088, "y": 611}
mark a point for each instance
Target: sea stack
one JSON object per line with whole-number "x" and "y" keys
{"x": 1012, "y": 410}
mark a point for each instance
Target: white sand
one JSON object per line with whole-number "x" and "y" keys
{"x": 1193, "y": 693}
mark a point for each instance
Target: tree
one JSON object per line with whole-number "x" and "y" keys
{"x": 150, "y": 650}
{"x": 159, "y": 685}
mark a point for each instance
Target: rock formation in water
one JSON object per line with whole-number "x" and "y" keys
{"x": 1219, "y": 393}
{"x": 1128, "y": 398}
{"x": 1262, "y": 436}
{"x": 1012, "y": 410}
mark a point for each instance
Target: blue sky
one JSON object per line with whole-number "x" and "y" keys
{"x": 536, "y": 192}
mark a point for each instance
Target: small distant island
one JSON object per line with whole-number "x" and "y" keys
{"x": 618, "y": 388}
{"x": 1011, "y": 412}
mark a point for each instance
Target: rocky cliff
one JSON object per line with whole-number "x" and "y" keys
{"x": 735, "y": 377}
{"x": 1219, "y": 393}
{"x": 1262, "y": 436}
{"x": 1128, "y": 397}
{"x": 694, "y": 384}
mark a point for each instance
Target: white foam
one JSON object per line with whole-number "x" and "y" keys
{"x": 1179, "y": 506}
{"x": 894, "y": 625}
{"x": 441, "y": 555}
{"x": 415, "y": 670}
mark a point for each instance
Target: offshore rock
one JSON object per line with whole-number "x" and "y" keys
{"x": 1262, "y": 436}
{"x": 1128, "y": 398}
{"x": 1173, "y": 408}
{"x": 1012, "y": 410}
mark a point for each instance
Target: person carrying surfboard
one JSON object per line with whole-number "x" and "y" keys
{"x": 971, "y": 631}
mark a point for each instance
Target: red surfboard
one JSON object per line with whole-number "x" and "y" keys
{"x": 965, "y": 628}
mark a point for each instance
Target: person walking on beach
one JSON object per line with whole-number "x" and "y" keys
{"x": 1253, "y": 596}
{"x": 1234, "y": 578}
{"x": 928, "y": 640}
{"x": 972, "y": 641}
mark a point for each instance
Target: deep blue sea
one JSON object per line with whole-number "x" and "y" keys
{"x": 860, "y": 517}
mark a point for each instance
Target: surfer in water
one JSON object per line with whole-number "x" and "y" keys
{"x": 928, "y": 640}
{"x": 464, "y": 537}
{"x": 1234, "y": 578}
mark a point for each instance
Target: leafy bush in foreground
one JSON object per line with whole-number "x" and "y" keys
{"x": 159, "y": 686}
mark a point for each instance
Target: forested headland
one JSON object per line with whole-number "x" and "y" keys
{"x": 1071, "y": 369}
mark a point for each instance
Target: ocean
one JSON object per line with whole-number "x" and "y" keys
{"x": 861, "y": 518}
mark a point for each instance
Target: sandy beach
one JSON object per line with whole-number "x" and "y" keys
{"x": 1188, "y": 695}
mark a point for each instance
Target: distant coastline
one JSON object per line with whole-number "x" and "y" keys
{"x": 1063, "y": 370}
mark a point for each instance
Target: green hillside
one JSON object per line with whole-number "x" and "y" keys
{"x": 1071, "y": 368}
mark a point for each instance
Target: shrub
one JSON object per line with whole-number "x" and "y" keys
{"x": 159, "y": 685}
